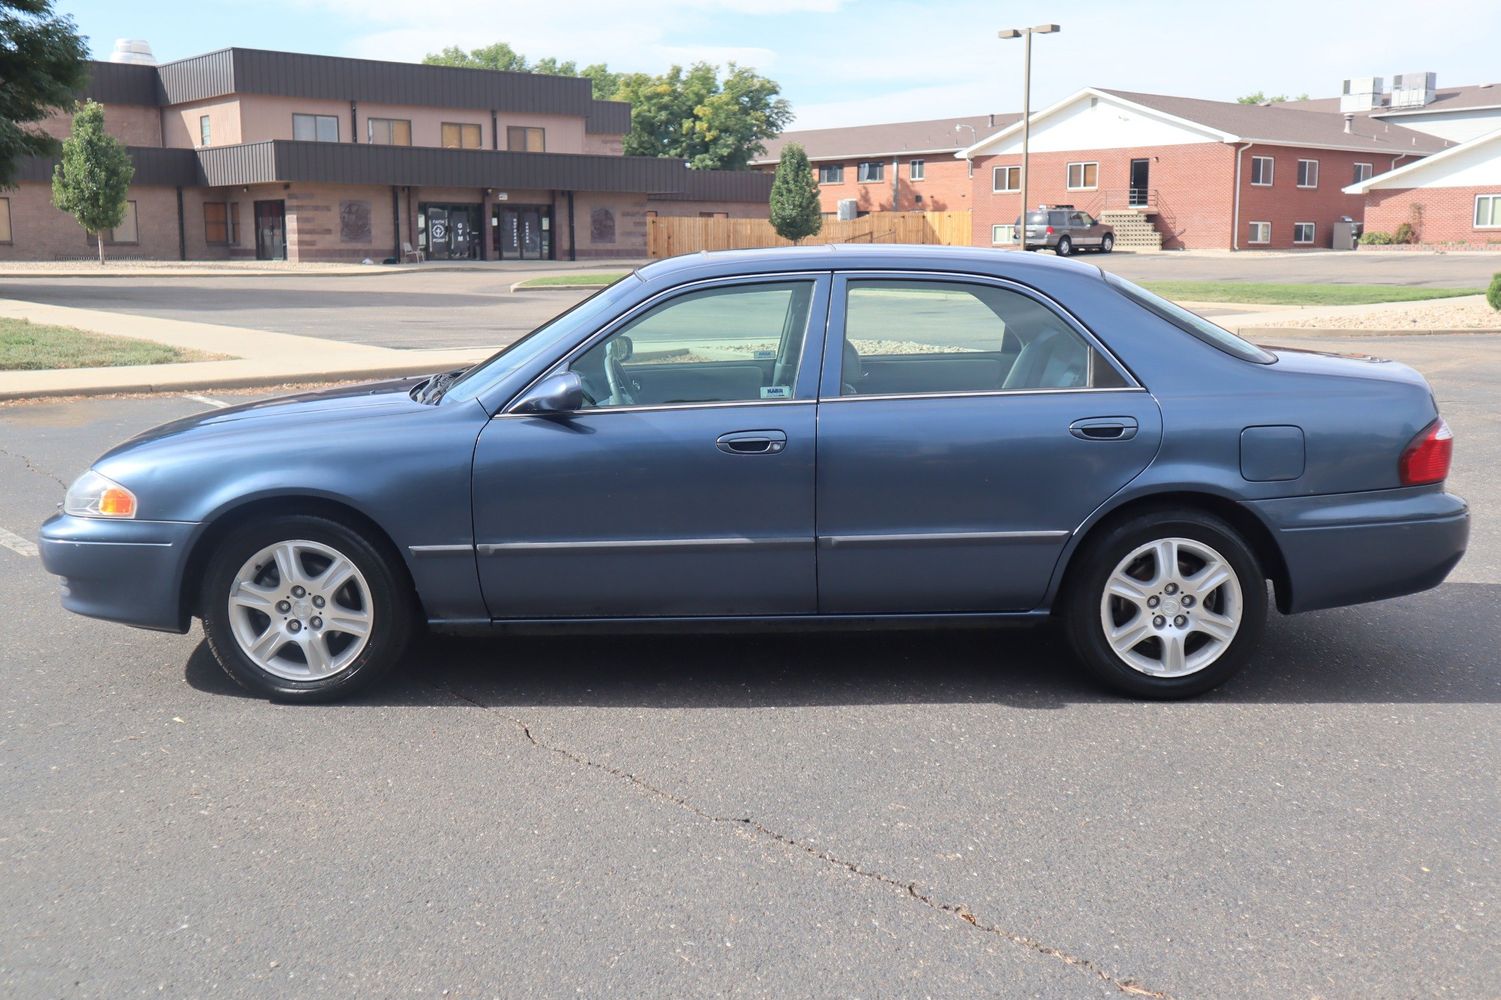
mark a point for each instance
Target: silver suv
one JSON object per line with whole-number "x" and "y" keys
{"x": 1064, "y": 229}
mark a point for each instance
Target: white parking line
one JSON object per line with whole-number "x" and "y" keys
{"x": 215, "y": 403}
{"x": 17, "y": 544}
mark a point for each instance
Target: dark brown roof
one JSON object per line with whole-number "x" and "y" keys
{"x": 1285, "y": 126}
{"x": 937, "y": 135}
{"x": 1484, "y": 95}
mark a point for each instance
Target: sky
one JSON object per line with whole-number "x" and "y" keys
{"x": 848, "y": 62}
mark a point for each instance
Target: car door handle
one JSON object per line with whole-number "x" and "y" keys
{"x": 1104, "y": 428}
{"x": 751, "y": 442}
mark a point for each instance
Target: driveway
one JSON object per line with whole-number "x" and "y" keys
{"x": 933, "y": 813}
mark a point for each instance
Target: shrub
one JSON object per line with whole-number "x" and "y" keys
{"x": 1493, "y": 293}
{"x": 1404, "y": 234}
{"x": 1376, "y": 239}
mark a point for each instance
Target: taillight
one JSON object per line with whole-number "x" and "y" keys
{"x": 1050, "y": 230}
{"x": 1426, "y": 459}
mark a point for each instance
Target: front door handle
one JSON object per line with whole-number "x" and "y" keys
{"x": 1104, "y": 428}
{"x": 752, "y": 442}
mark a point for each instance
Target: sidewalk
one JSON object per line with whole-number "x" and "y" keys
{"x": 263, "y": 268}
{"x": 258, "y": 357}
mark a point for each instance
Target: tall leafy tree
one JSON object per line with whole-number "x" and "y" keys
{"x": 688, "y": 113}
{"x": 92, "y": 179}
{"x": 42, "y": 66}
{"x": 795, "y": 211}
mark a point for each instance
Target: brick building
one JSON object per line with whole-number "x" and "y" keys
{"x": 256, "y": 154}
{"x": 1450, "y": 199}
{"x": 902, "y": 166}
{"x": 1189, "y": 173}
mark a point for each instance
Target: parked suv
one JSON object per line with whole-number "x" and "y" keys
{"x": 1063, "y": 229}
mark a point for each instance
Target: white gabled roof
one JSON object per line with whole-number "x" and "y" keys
{"x": 1436, "y": 161}
{"x": 1000, "y": 137}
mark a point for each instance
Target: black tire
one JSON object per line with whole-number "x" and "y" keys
{"x": 1065, "y": 246}
{"x": 392, "y": 607}
{"x": 1107, "y": 243}
{"x": 1098, "y": 560}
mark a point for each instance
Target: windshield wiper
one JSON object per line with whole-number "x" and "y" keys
{"x": 433, "y": 389}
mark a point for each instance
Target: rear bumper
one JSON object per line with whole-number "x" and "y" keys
{"x": 121, "y": 571}
{"x": 1356, "y": 547}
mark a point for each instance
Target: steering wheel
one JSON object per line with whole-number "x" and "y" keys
{"x": 621, "y": 386}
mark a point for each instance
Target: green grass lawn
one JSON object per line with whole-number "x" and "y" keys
{"x": 1298, "y": 295}
{"x": 594, "y": 279}
{"x": 27, "y": 346}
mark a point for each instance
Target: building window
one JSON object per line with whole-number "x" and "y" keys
{"x": 1002, "y": 235}
{"x": 215, "y": 223}
{"x": 1006, "y": 179}
{"x": 1308, "y": 173}
{"x": 917, "y": 169}
{"x": 831, "y": 173}
{"x": 526, "y": 139}
{"x": 205, "y": 130}
{"x": 872, "y": 170}
{"x": 1363, "y": 172}
{"x": 1083, "y": 176}
{"x": 1303, "y": 232}
{"x": 389, "y": 131}
{"x": 5, "y": 220}
{"x": 1261, "y": 171}
{"x": 315, "y": 128}
{"x": 1261, "y": 232}
{"x": 1487, "y": 211}
{"x": 125, "y": 232}
{"x": 458, "y": 135}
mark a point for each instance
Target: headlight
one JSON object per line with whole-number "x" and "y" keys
{"x": 92, "y": 495}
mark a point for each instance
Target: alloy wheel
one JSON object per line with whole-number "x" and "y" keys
{"x": 1171, "y": 607}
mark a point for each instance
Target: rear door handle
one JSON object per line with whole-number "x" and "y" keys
{"x": 1104, "y": 428}
{"x": 751, "y": 442}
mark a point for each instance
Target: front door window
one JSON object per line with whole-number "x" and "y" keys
{"x": 1140, "y": 193}
{"x": 523, "y": 232}
{"x": 271, "y": 230}
{"x": 447, "y": 232}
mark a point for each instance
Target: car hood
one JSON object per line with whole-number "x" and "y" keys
{"x": 299, "y": 411}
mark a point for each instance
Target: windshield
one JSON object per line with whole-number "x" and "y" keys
{"x": 594, "y": 309}
{"x": 1191, "y": 322}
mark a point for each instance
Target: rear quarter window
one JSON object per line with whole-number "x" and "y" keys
{"x": 1191, "y": 323}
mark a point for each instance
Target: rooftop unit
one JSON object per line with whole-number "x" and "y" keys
{"x": 1361, "y": 93}
{"x": 1413, "y": 90}
{"x": 136, "y": 51}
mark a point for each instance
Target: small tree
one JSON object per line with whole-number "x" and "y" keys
{"x": 795, "y": 212}
{"x": 92, "y": 179}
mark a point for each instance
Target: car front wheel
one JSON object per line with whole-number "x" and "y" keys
{"x": 1167, "y": 605}
{"x": 301, "y": 608}
{"x": 1107, "y": 244}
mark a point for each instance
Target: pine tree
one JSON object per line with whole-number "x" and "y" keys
{"x": 795, "y": 212}
{"x": 92, "y": 179}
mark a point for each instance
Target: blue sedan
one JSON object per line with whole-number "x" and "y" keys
{"x": 855, "y": 437}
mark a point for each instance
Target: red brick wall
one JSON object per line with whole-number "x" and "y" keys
{"x": 1194, "y": 185}
{"x": 1284, "y": 203}
{"x": 945, "y": 186}
{"x": 39, "y": 231}
{"x": 1437, "y": 215}
{"x": 132, "y": 124}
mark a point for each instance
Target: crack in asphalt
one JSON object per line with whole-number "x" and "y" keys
{"x": 748, "y": 827}
{"x": 32, "y": 466}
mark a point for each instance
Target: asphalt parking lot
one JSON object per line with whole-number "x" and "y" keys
{"x": 464, "y": 308}
{"x": 923, "y": 814}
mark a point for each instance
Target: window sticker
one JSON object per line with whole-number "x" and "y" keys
{"x": 776, "y": 392}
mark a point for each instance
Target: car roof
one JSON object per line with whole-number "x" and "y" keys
{"x": 857, "y": 256}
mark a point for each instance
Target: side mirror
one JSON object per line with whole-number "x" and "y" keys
{"x": 561, "y": 393}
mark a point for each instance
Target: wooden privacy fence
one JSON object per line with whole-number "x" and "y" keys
{"x": 669, "y": 236}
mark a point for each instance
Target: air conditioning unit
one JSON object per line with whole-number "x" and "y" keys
{"x": 849, "y": 209}
{"x": 1361, "y": 93}
{"x": 1413, "y": 90}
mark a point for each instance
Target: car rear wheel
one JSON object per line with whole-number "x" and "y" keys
{"x": 1107, "y": 244}
{"x": 1065, "y": 247}
{"x": 301, "y": 608}
{"x": 1166, "y": 605}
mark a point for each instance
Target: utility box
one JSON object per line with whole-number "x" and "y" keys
{"x": 1346, "y": 231}
{"x": 849, "y": 209}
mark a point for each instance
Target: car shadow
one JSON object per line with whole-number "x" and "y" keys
{"x": 1437, "y": 647}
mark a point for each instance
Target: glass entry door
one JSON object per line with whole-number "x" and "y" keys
{"x": 270, "y": 230}
{"x": 523, "y": 232}
{"x": 448, "y": 231}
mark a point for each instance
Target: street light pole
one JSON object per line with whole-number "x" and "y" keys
{"x": 1026, "y": 35}
{"x": 974, "y": 137}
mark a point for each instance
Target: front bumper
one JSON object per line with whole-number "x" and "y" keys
{"x": 1350, "y": 548}
{"x": 121, "y": 571}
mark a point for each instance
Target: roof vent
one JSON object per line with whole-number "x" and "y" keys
{"x": 1413, "y": 90}
{"x": 1349, "y": 122}
{"x": 1361, "y": 93}
{"x": 136, "y": 51}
